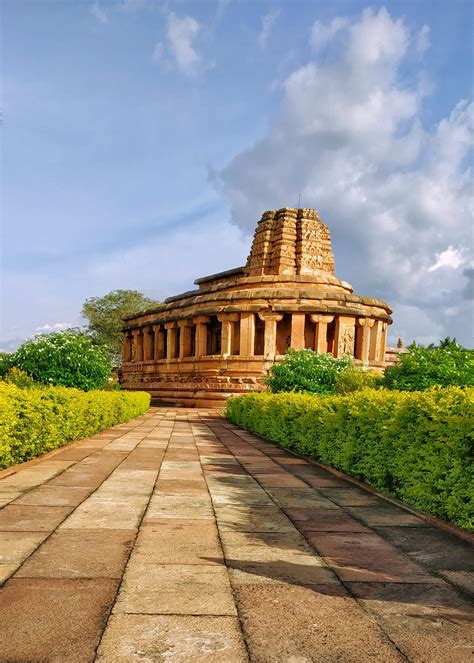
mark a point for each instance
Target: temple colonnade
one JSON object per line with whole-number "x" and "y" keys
{"x": 265, "y": 335}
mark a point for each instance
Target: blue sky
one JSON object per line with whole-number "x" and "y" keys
{"x": 141, "y": 141}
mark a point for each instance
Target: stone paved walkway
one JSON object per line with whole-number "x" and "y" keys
{"x": 178, "y": 537}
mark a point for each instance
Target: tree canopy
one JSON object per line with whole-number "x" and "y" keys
{"x": 105, "y": 317}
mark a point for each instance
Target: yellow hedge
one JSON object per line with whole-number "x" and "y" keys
{"x": 36, "y": 420}
{"x": 416, "y": 446}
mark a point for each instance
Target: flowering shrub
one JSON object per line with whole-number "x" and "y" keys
{"x": 307, "y": 371}
{"x": 68, "y": 359}
{"x": 355, "y": 378}
{"x": 36, "y": 420}
{"x": 415, "y": 446}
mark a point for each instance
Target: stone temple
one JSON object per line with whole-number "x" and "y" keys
{"x": 204, "y": 345}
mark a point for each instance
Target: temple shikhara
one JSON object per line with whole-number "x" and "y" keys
{"x": 204, "y": 345}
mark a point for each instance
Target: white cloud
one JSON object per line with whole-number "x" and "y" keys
{"x": 179, "y": 49}
{"x": 56, "y": 326}
{"x": 322, "y": 34}
{"x": 451, "y": 258}
{"x": 423, "y": 40}
{"x": 349, "y": 137}
{"x": 99, "y": 13}
{"x": 268, "y": 23}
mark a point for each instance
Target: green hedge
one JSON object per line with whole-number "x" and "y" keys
{"x": 36, "y": 420}
{"x": 415, "y": 446}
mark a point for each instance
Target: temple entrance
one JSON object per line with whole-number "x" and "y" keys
{"x": 214, "y": 334}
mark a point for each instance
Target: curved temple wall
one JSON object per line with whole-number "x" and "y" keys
{"x": 207, "y": 344}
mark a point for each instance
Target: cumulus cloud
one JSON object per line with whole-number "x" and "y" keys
{"x": 99, "y": 13}
{"x": 179, "y": 49}
{"x": 268, "y": 22}
{"x": 349, "y": 137}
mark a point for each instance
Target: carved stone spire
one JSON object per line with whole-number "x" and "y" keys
{"x": 291, "y": 241}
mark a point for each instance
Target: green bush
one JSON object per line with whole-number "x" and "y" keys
{"x": 421, "y": 368}
{"x": 68, "y": 359}
{"x": 36, "y": 420}
{"x": 307, "y": 371}
{"x": 6, "y": 363}
{"x": 415, "y": 446}
{"x": 20, "y": 378}
{"x": 356, "y": 378}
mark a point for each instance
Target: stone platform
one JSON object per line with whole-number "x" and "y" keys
{"x": 179, "y": 537}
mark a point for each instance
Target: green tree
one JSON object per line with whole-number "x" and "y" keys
{"x": 67, "y": 359}
{"x": 105, "y": 317}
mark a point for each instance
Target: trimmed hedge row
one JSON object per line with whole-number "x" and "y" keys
{"x": 416, "y": 446}
{"x": 36, "y": 420}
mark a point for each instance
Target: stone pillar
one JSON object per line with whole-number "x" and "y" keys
{"x": 148, "y": 344}
{"x": 247, "y": 334}
{"x": 227, "y": 320}
{"x": 201, "y": 323}
{"x": 270, "y": 320}
{"x": 127, "y": 347}
{"x": 321, "y": 334}
{"x": 383, "y": 341}
{"x": 344, "y": 337}
{"x": 171, "y": 340}
{"x": 185, "y": 338}
{"x": 375, "y": 341}
{"x": 363, "y": 339}
{"x": 159, "y": 344}
{"x": 297, "y": 331}
{"x": 137, "y": 353}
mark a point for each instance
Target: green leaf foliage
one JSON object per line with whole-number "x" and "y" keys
{"x": 7, "y": 361}
{"x": 36, "y": 420}
{"x": 68, "y": 359}
{"x": 105, "y": 317}
{"x": 421, "y": 368}
{"x": 415, "y": 446}
{"x": 307, "y": 371}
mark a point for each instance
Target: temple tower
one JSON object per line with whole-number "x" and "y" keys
{"x": 290, "y": 241}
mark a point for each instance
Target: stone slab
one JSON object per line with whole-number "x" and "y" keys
{"x": 175, "y": 589}
{"x": 366, "y": 557}
{"x": 177, "y": 638}
{"x": 175, "y": 541}
{"x": 308, "y": 624}
{"x": 32, "y": 518}
{"x": 81, "y": 554}
{"x": 59, "y": 621}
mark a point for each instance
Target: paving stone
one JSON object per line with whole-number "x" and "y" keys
{"x": 48, "y": 495}
{"x": 54, "y": 620}
{"x": 363, "y": 557}
{"x": 300, "y": 498}
{"x": 79, "y": 478}
{"x": 282, "y": 480}
{"x": 431, "y": 547}
{"x": 281, "y": 556}
{"x": 81, "y": 554}
{"x": 32, "y": 518}
{"x": 100, "y": 513}
{"x": 385, "y": 514}
{"x": 146, "y": 638}
{"x": 250, "y": 518}
{"x": 324, "y": 520}
{"x": 427, "y": 622}
{"x": 180, "y": 487}
{"x": 15, "y": 547}
{"x": 175, "y": 541}
{"x": 307, "y": 624}
{"x": 175, "y": 589}
{"x": 350, "y": 496}
{"x": 462, "y": 579}
{"x": 174, "y": 506}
